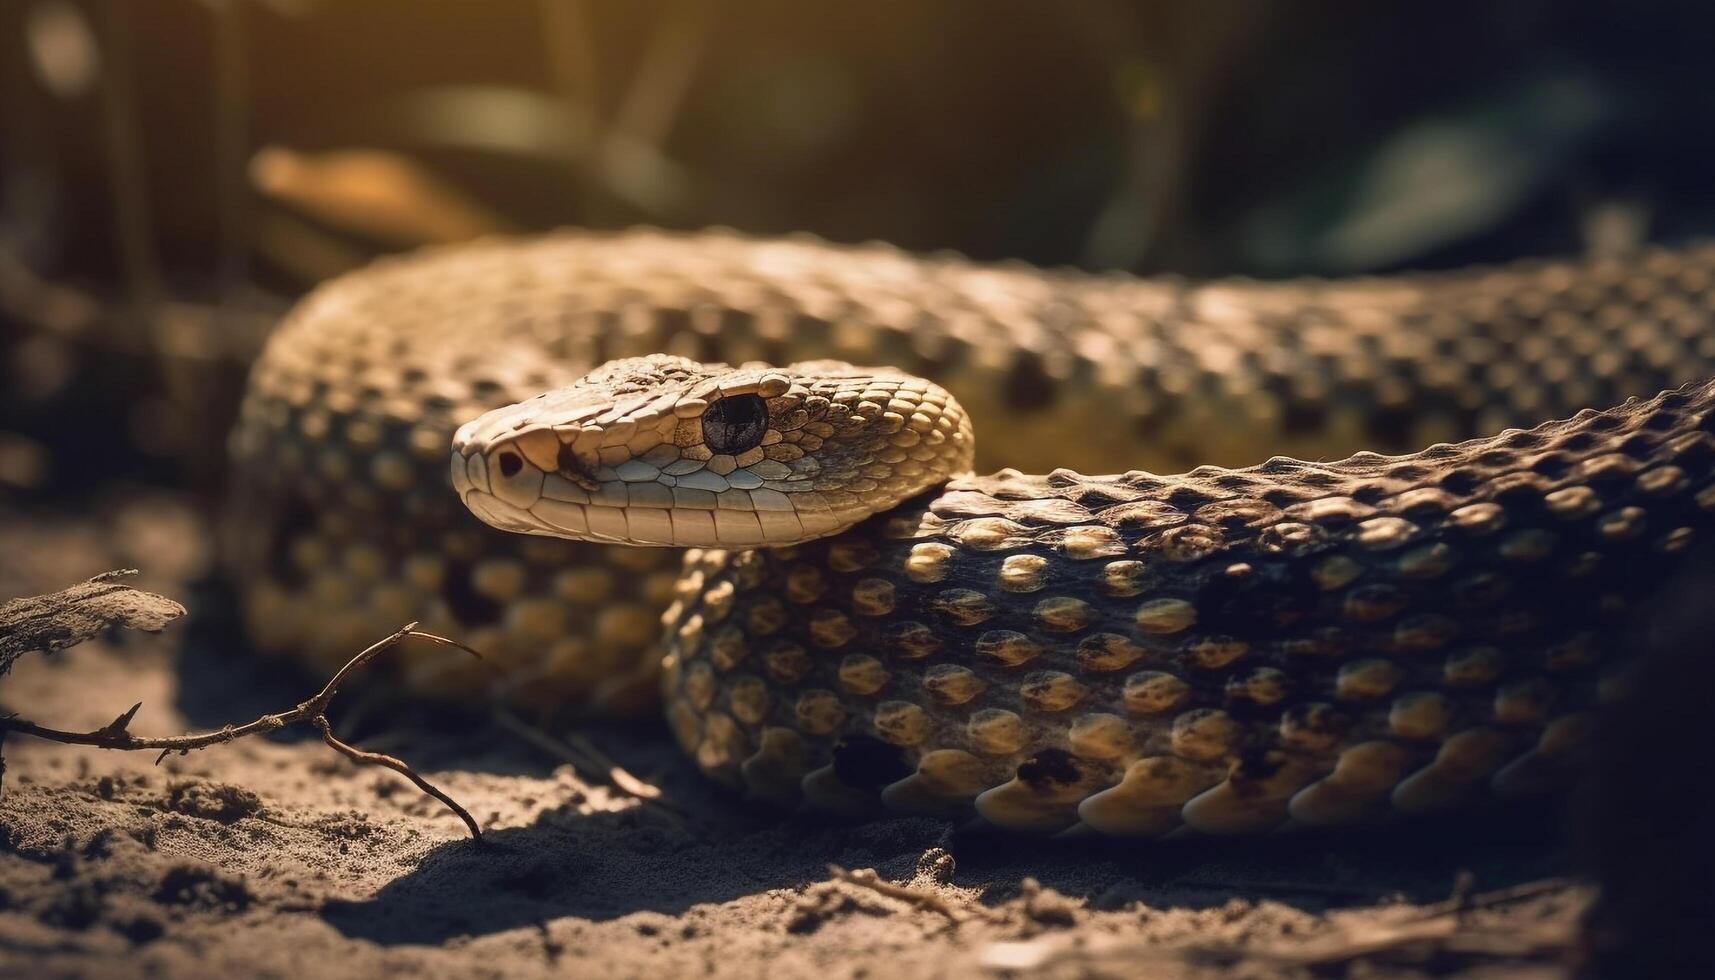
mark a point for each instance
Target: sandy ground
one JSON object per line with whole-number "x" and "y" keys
{"x": 279, "y": 858}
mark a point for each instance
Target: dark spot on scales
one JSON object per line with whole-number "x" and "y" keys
{"x": 1050, "y": 768}
{"x": 566, "y": 464}
{"x": 510, "y": 463}
{"x": 868, "y": 763}
{"x": 1254, "y": 601}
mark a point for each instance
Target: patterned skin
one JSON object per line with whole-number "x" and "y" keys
{"x": 1223, "y": 650}
{"x": 1133, "y": 653}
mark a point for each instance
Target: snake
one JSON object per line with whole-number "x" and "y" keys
{"x": 1330, "y": 577}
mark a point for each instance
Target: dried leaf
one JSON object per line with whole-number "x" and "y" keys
{"x": 62, "y": 619}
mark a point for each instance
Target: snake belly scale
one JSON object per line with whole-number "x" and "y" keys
{"x": 1221, "y": 651}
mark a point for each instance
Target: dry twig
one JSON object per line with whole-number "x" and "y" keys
{"x": 590, "y": 762}
{"x": 867, "y": 878}
{"x": 76, "y": 607}
{"x": 1463, "y": 901}
{"x": 1438, "y": 926}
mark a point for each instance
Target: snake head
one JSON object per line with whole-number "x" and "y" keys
{"x": 661, "y": 450}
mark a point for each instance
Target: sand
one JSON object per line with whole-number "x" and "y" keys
{"x": 276, "y": 857}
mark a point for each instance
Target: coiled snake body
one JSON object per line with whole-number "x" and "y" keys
{"x": 1224, "y": 650}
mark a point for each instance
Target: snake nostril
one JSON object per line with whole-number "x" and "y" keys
{"x": 510, "y": 464}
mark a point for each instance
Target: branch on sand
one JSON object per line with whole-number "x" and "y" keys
{"x": 867, "y": 878}
{"x": 62, "y": 619}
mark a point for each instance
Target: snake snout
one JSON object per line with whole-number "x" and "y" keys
{"x": 496, "y": 474}
{"x": 499, "y": 488}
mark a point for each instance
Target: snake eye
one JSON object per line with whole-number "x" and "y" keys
{"x": 735, "y": 423}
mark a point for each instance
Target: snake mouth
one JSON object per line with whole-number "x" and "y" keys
{"x": 498, "y": 513}
{"x": 527, "y": 479}
{"x": 547, "y": 506}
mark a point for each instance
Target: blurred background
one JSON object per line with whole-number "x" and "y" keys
{"x": 174, "y": 172}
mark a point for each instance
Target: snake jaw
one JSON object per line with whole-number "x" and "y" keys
{"x": 664, "y": 451}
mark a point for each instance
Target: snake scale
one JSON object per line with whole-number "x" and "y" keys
{"x": 1224, "y": 651}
